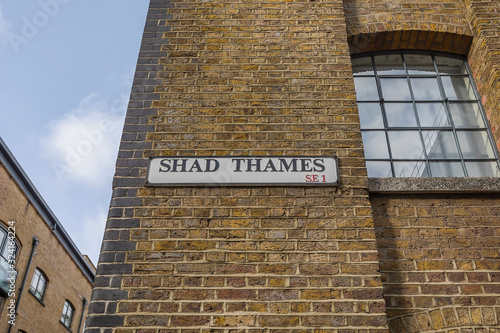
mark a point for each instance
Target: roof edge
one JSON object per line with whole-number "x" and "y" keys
{"x": 23, "y": 181}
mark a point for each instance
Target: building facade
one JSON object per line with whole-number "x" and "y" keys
{"x": 404, "y": 93}
{"x": 45, "y": 283}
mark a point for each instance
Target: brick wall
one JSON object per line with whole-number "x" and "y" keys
{"x": 274, "y": 78}
{"x": 440, "y": 261}
{"x": 421, "y": 25}
{"x": 366, "y": 16}
{"x": 66, "y": 280}
{"x": 484, "y": 57}
{"x": 237, "y": 78}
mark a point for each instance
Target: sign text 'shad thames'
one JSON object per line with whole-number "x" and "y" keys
{"x": 243, "y": 170}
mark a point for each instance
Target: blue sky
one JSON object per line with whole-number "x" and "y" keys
{"x": 66, "y": 72}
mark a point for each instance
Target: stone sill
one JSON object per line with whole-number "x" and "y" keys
{"x": 434, "y": 185}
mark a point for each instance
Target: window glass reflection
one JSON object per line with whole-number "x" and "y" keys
{"x": 411, "y": 169}
{"x": 458, "y": 87}
{"x": 419, "y": 64}
{"x": 475, "y": 144}
{"x": 440, "y": 144}
{"x": 432, "y": 115}
{"x": 420, "y": 117}
{"x": 406, "y": 145}
{"x": 366, "y": 88}
{"x": 370, "y": 115}
{"x": 466, "y": 115}
{"x": 447, "y": 65}
{"x": 425, "y": 89}
{"x": 362, "y": 66}
{"x": 375, "y": 144}
{"x": 3, "y": 237}
{"x": 395, "y": 89}
{"x": 446, "y": 169}
{"x": 389, "y": 64}
{"x": 379, "y": 169}
{"x": 482, "y": 169}
{"x": 400, "y": 115}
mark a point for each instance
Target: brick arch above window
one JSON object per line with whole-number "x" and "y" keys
{"x": 410, "y": 40}
{"x": 367, "y": 16}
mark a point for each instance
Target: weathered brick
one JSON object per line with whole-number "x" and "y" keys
{"x": 261, "y": 78}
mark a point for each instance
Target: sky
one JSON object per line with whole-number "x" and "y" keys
{"x": 66, "y": 71}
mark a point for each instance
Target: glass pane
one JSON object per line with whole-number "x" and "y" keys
{"x": 406, "y": 145}
{"x": 447, "y": 169}
{"x": 389, "y": 64}
{"x": 370, "y": 115}
{"x": 458, "y": 87}
{"x": 378, "y": 169}
{"x": 395, "y": 89}
{"x": 466, "y": 115}
{"x": 400, "y": 115}
{"x": 40, "y": 288}
{"x": 362, "y": 66}
{"x": 482, "y": 169}
{"x": 366, "y": 89}
{"x": 475, "y": 144}
{"x": 450, "y": 65}
{"x": 375, "y": 144}
{"x": 432, "y": 115}
{"x": 419, "y": 64}
{"x": 425, "y": 89}
{"x": 3, "y": 238}
{"x": 9, "y": 250}
{"x": 440, "y": 144}
{"x": 411, "y": 169}
{"x": 34, "y": 281}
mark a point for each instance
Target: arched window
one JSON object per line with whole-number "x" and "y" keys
{"x": 38, "y": 284}
{"x": 421, "y": 116}
{"x": 67, "y": 314}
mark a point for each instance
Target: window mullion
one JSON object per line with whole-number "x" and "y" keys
{"x": 450, "y": 118}
{"x": 420, "y": 134}
{"x": 483, "y": 114}
{"x": 384, "y": 116}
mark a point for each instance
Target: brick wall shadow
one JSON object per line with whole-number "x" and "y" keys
{"x": 440, "y": 261}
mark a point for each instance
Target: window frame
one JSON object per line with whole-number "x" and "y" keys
{"x": 33, "y": 290}
{"x": 5, "y": 241}
{"x": 8, "y": 259}
{"x": 67, "y": 306}
{"x": 446, "y": 102}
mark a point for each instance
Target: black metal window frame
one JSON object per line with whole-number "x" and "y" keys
{"x": 438, "y": 75}
{"x": 9, "y": 250}
{"x": 4, "y": 242}
{"x": 67, "y": 314}
{"x": 39, "y": 284}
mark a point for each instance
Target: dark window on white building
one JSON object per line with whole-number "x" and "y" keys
{"x": 421, "y": 116}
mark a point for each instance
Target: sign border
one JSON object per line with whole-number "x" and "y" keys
{"x": 337, "y": 183}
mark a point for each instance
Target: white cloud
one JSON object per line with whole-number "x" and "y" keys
{"x": 4, "y": 28}
{"x": 91, "y": 235}
{"x": 83, "y": 144}
{"x": 125, "y": 78}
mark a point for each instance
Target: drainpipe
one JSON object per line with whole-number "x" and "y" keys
{"x": 84, "y": 304}
{"x": 35, "y": 244}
